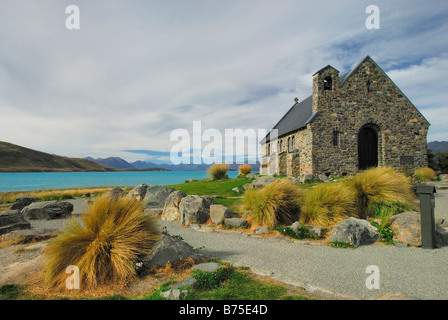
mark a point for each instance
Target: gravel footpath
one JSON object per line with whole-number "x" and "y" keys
{"x": 418, "y": 273}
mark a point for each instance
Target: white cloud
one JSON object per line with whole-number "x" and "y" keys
{"x": 139, "y": 69}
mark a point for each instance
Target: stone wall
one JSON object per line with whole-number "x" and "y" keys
{"x": 368, "y": 97}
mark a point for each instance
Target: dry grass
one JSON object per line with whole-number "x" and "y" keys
{"x": 380, "y": 184}
{"x": 244, "y": 169}
{"x": 105, "y": 246}
{"x": 9, "y": 197}
{"x": 278, "y": 203}
{"x": 327, "y": 204}
{"x": 425, "y": 174}
{"x": 218, "y": 171}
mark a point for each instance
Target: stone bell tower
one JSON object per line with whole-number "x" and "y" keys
{"x": 325, "y": 84}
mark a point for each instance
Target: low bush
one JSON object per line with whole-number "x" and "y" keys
{"x": 218, "y": 171}
{"x": 105, "y": 246}
{"x": 245, "y": 169}
{"x": 380, "y": 184}
{"x": 277, "y": 203}
{"x": 425, "y": 174}
{"x": 327, "y": 204}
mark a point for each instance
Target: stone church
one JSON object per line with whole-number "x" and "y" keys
{"x": 351, "y": 122}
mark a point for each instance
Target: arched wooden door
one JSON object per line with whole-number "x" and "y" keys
{"x": 367, "y": 148}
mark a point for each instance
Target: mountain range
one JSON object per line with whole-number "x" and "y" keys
{"x": 117, "y": 162}
{"x": 438, "y": 146}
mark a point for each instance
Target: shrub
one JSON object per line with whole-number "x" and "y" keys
{"x": 376, "y": 208}
{"x": 245, "y": 169}
{"x": 380, "y": 184}
{"x": 218, "y": 171}
{"x": 425, "y": 174}
{"x": 105, "y": 246}
{"x": 277, "y": 203}
{"x": 327, "y": 204}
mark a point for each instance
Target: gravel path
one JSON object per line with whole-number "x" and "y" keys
{"x": 418, "y": 273}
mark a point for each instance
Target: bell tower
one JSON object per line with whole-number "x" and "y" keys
{"x": 325, "y": 84}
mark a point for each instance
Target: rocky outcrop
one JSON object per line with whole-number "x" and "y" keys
{"x": 22, "y": 202}
{"x": 195, "y": 209}
{"x": 11, "y": 220}
{"x": 407, "y": 228}
{"x": 169, "y": 249}
{"x": 357, "y": 232}
{"x": 171, "y": 207}
{"x": 47, "y": 210}
{"x": 139, "y": 192}
{"x": 155, "y": 199}
{"x": 219, "y": 212}
{"x": 115, "y": 193}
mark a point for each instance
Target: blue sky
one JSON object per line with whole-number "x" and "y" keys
{"x": 137, "y": 70}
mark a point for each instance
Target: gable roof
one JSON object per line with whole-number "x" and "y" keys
{"x": 301, "y": 113}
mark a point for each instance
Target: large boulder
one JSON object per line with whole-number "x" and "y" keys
{"x": 47, "y": 210}
{"x": 195, "y": 209}
{"x": 169, "y": 249}
{"x": 139, "y": 192}
{"x": 218, "y": 213}
{"x": 357, "y": 232}
{"x": 115, "y": 193}
{"x": 171, "y": 208}
{"x": 407, "y": 228}
{"x": 22, "y": 202}
{"x": 155, "y": 198}
{"x": 262, "y": 181}
{"x": 11, "y": 220}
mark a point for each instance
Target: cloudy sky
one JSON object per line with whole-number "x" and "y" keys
{"x": 137, "y": 70}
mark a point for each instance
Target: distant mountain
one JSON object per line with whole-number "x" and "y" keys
{"x": 438, "y": 146}
{"x": 185, "y": 167}
{"x": 113, "y": 162}
{"x": 14, "y": 158}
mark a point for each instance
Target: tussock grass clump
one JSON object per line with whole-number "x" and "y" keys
{"x": 218, "y": 171}
{"x": 244, "y": 169}
{"x": 425, "y": 174}
{"x": 277, "y": 203}
{"x": 105, "y": 246}
{"x": 327, "y": 204}
{"x": 380, "y": 184}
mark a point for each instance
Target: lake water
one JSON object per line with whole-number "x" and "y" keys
{"x": 26, "y": 181}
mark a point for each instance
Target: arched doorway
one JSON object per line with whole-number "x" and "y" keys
{"x": 368, "y": 147}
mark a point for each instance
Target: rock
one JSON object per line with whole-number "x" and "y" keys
{"x": 442, "y": 237}
{"x": 208, "y": 267}
{"x": 22, "y": 202}
{"x": 156, "y": 196}
{"x": 238, "y": 190}
{"x": 138, "y": 192}
{"x": 169, "y": 249}
{"x": 261, "y": 230}
{"x": 11, "y": 220}
{"x": 306, "y": 177}
{"x": 316, "y": 230}
{"x": 235, "y": 222}
{"x": 357, "y": 232}
{"x": 195, "y": 209}
{"x": 47, "y": 210}
{"x": 174, "y": 294}
{"x": 323, "y": 177}
{"x": 407, "y": 228}
{"x": 441, "y": 222}
{"x": 295, "y": 226}
{"x": 251, "y": 176}
{"x": 171, "y": 207}
{"x": 218, "y": 212}
{"x": 262, "y": 181}
{"x": 294, "y": 180}
{"x": 29, "y": 235}
{"x": 187, "y": 282}
{"x": 115, "y": 193}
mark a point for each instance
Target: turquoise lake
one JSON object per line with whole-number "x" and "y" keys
{"x": 27, "y": 181}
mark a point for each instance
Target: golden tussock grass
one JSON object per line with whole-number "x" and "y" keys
{"x": 105, "y": 246}
{"x": 218, "y": 171}
{"x": 380, "y": 184}
{"x": 327, "y": 204}
{"x": 425, "y": 174}
{"x": 277, "y": 203}
{"x": 244, "y": 169}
